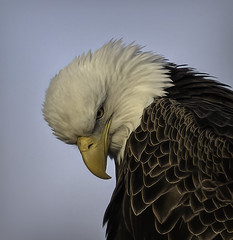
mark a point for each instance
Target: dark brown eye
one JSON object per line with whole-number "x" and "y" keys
{"x": 100, "y": 113}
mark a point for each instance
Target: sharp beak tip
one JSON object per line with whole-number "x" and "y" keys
{"x": 107, "y": 177}
{"x": 102, "y": 175}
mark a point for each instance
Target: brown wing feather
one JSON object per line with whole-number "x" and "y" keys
{"x": 184, "y": 179}
{"x": 177, "y": 180}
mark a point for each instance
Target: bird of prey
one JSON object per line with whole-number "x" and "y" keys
{"x": 169, "y": 130}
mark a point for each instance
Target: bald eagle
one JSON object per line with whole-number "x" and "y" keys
{"x": 169, "y": 130}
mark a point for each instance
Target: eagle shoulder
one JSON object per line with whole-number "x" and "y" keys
{"x": 180, "y": 171}
{"x": 176, "y": 180}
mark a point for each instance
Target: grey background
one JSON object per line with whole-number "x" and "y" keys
{"x": 46, "y": 191}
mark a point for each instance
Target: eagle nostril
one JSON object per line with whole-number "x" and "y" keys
{"x": 89, "y": 146}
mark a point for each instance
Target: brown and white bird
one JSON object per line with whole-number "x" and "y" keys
{"x": 169, "y": 130}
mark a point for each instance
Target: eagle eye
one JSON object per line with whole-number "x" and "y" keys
{"x": 100, "y": 113}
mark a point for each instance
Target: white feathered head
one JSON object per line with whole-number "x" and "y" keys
{"x": 98, "y": 100}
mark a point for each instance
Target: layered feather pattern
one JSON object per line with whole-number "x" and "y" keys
{"x": 177, "y": 180}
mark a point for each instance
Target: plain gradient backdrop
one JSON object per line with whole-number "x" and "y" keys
{"x": 46, "y": 192}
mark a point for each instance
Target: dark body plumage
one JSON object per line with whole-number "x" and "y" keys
{"x": 175, "y": 181}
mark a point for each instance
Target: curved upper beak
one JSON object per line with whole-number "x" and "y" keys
{"x": 95, "y": 151}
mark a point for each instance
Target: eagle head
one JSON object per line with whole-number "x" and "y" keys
{"x": 98, "y": 100}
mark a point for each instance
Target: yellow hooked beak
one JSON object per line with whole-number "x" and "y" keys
{"x": 94, "y": 152}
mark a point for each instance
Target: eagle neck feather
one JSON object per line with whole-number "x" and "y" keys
{"x": 133, "y": 80}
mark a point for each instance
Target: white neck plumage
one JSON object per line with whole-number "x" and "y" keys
{"x": 134, "y": 80}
